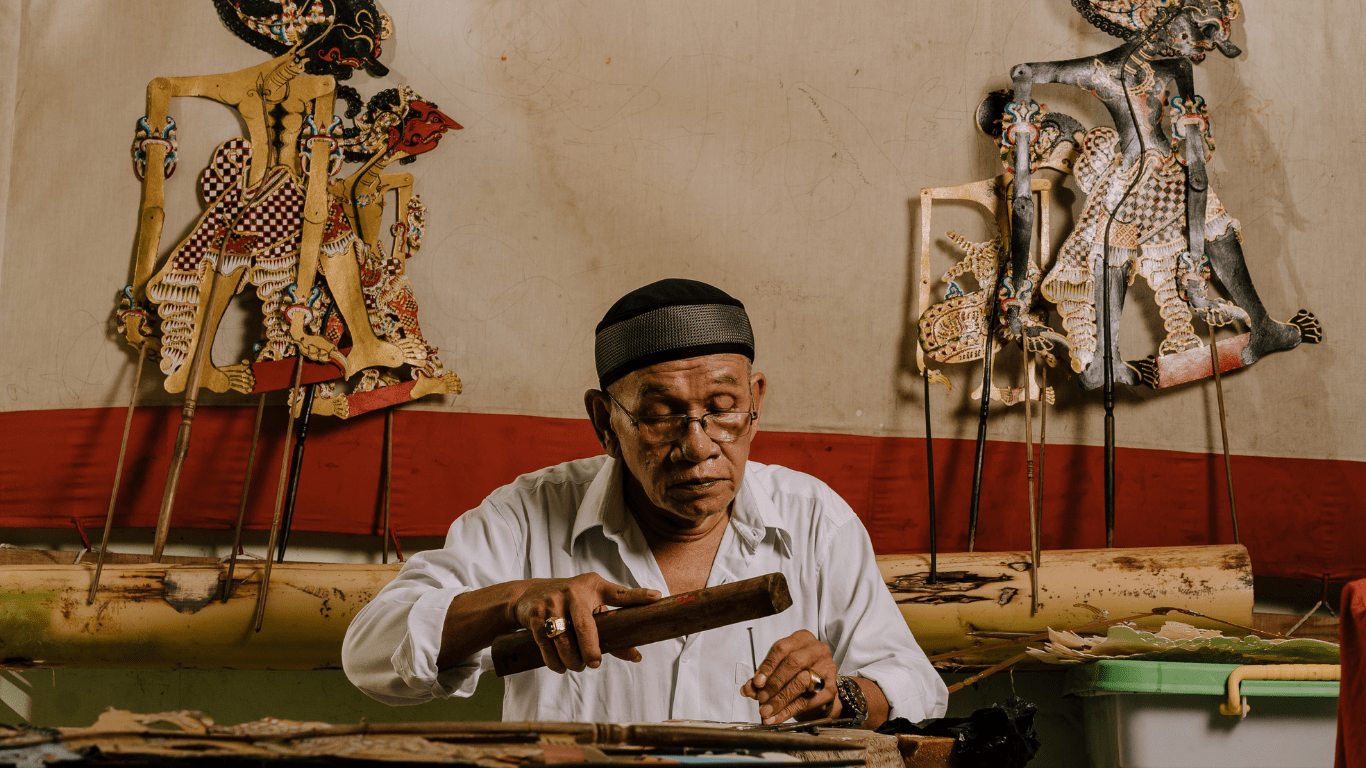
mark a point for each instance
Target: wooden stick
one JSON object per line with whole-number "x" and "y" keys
{"x": 388, "y": 478}
{"x": 1223, "y": 428}
{"x": 1043, "y": 436}
{"x": 665, "y": 619}
{"x": 279, "y": 497}
{"x": 988, "y": 672}
{"x": 246, "y": 489}
{"x": 1029, "y": 482}
{"x": 929, "y": 460}
{"x": 182, "y": 440}
{"x": 118, "y": 474}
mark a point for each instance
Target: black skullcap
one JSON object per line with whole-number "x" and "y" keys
{"x": 670, "y": 320}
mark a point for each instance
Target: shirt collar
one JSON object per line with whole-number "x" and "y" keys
{"x": 753, "y": 515}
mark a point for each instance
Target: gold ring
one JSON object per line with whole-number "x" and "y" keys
{"x": 816, "y": 684}
{"x": 554, "y": 626}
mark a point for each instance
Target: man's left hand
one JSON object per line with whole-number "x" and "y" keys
{"x": 781, "y": 682}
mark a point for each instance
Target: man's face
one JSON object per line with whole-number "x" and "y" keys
{"x": 695, "y": 476}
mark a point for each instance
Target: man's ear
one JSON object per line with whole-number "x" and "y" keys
{"x": 758, "y": 384}
{"x": 599, "y": 407}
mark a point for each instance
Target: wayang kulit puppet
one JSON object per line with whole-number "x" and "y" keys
{"x": 1149, "y": 211}
{"x": 278, "y": 219}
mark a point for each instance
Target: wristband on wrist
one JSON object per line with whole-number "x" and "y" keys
{"x": 852, "y": 702}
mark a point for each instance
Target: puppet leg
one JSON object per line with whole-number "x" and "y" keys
{"x": 206, "y": 321}
{"x": 368, "y": 350}
{"x": 1267, "y": 335}
{"x": 1094, "y": 374}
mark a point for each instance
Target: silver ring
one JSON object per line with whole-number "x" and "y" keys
{"x": 554, "y": 626}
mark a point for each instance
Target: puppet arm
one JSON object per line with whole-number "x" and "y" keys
{"x": 407, "y": 231}
{"x": 316, "y": 202}
{"x": 154, "y": 160}
{"x": 1191, "y": 135}
{"x": 1021, "y": 130}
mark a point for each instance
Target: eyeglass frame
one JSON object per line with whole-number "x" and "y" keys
{"x": 688, "y": 420}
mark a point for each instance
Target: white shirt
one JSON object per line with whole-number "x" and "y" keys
{"x": 572, "y": 519}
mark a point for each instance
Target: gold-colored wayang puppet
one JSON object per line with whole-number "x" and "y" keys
{"x": 395, "y": 126}
{"x": 270, "y": 221}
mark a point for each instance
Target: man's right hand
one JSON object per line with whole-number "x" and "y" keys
{"x": 575, "y": 600}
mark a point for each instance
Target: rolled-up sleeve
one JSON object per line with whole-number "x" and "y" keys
{"x": 391, "y": 646}
{"x": 865, "y": 628}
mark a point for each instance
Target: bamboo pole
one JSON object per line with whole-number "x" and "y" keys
{"x": 989, "y": 591}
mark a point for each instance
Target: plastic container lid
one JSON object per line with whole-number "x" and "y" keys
{"x": 1120, "y": 676}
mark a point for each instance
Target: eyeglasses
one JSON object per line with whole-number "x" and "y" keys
{"x": 721, "y": 426}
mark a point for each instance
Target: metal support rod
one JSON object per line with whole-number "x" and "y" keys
{"x": 387, "y": 480}
{"x": 296, "y": 466}
{"x": 246, "y": 490}
{"x": 1029, "y": 482}
{"x": 202, "y": 353}
{"x": 929, "y": 460}
{"x": 279, "y": 497}
{"x": 118, "y": 474}
{"x": 1223, "y": 428}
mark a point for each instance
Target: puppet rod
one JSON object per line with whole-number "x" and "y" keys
{"x": 182, "y": 441}
{"x": 1106, "y": 291}
{"x": 1043, "y": 436}
{"x": 929, "y": 459}
{"x": 279, "y": 497}
{"x": 1029, "y": 483}
{"x": 296, "y": 466}
{"x": 246, "y": 490}
{"x": 118, "y": 474}
{"x": 1223, "y": 428}
{"x": 388, "y": 478}
{"x": 297, "y": 462}
{"x": 993, "y": 318}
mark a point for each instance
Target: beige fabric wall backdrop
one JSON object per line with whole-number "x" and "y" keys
{"x": 775, "y": 149}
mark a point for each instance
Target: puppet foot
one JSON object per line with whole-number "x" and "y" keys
{"x": 212, "y": 379}
{"x": 240, "y": 377}
{"x": 374, "y": 354}
{"x": 1093, "y": 376}
{"x": 1271, "y": 336}
{"x": 336, "y": 405}
{"x": 1311, "y": 330}
{"x": 1218, "y": 313}
{"x": 1146, "y": 370}
{"x": 445, "y": 384}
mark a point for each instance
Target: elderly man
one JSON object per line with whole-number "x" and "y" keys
{"x": 673, "y": 506}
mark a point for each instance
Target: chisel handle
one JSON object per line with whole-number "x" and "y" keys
{"x": 665, "y": 619}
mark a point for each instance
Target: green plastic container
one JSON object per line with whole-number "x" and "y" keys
{"x": 1160, "y": 714}
{"x": 1178, "y": 677}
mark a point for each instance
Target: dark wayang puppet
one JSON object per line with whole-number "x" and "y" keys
{"x": 1149, "y": 211}
{"x": 277, "y": 219}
